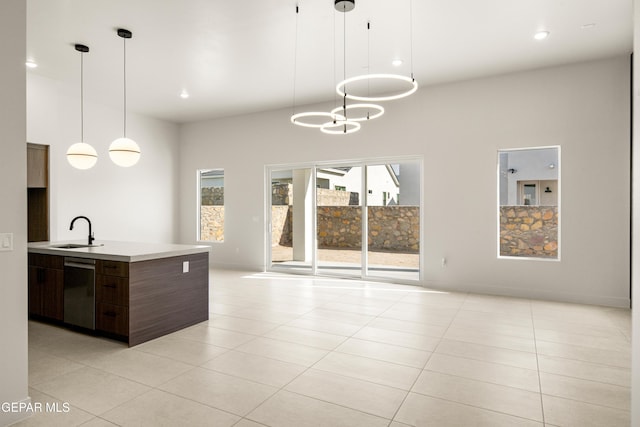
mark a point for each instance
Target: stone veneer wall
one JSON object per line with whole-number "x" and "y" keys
{"x": 529, "y": 231}
{"x": 212, "y": 196}
{"x": 281, "y": 225}
{"x": 392, "y": 228}
{"x": 212, "y": 223}
{"x": 281, "y": 194}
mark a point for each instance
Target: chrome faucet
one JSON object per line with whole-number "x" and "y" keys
{"x": 91, "y": 238}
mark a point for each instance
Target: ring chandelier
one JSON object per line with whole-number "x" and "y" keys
{"x": 378, "y": 108}
{"x": 295, "y": 119}
{"x": 340, "y": 127}
{"x": 339, "y": 122}
{"x": 340, "y": 87}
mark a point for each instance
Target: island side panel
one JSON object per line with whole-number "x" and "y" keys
{"x": 163, "y": 299}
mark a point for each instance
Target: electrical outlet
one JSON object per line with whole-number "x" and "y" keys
{"x": 185, "y": 267}
{"x": 444, "y": 262}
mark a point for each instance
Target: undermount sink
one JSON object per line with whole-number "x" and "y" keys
{"x": 73, "y": 246}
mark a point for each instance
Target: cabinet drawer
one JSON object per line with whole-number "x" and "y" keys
{"x": 113, "y": 319}
{"x": 46, "y": 261}
{"x": 112, "y": 289}
{"x": 112, "y": 268}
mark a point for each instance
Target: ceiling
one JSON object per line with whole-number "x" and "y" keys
{"x": 237, "y": 57}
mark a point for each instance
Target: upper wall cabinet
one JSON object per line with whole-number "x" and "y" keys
{"x": 38, "y": 192}
{"x": 37, "y": 166}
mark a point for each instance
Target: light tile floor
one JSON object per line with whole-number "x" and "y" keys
{"x": 282, "y": 350}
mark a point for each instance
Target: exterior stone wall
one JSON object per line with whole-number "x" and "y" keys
{"x": 339, "y": 227}
{"x": 281, "y": 194}
{"x": 213, "y": 196}
{"x": 529, "y": 231}
{"x": 212, "y": 223}
{"x": 281, "y": 225}
{"x": 394, "y": 228}
{"x": 391, "y": 228}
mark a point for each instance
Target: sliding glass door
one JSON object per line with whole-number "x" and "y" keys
{"x": 319, "y": 215}
{"x": 393, "y": 220}
{"x": 339, "y": 219}
{"x": 291, "y": 211}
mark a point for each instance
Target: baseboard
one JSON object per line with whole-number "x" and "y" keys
{"x": 537, "y": 294}
{"x": 236, "y": 267}
{"x": 479, "y": 288}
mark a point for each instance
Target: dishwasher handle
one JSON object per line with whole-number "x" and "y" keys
{"x": 88, "y": 264}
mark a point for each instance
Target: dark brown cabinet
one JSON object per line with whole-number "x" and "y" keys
{"x": 38, "y": 192}
{"x": 134, "y": 301}
{"x": 112, "y": 297}
{"x": 46, "y": 286}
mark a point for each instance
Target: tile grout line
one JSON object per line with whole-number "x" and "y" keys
{"x": 535, "y": 344}
{"x": 429, "y": 358}
{"x": 374, "y": 317}
{"x": 282, "y": 388}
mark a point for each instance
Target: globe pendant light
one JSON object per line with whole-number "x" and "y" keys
{"x": 82, "y": 155}
{"x": 124, "y": 151}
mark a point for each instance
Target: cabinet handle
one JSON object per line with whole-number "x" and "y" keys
{"x": 110, "y": 313}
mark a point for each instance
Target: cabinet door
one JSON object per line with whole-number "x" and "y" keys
{"x": 112, "y": 290}
{"x": 53, "y": 294}
{"x": 112, "y": 268}
{"x": 37, "y": 166}
{"x": 46, "y": 292}
{"x": 113, "y": 319}
{"x": 36, "y": 279}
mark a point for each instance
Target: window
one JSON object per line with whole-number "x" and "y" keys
{"x": 211, "y": 201}
{"x": 529, "y": 208}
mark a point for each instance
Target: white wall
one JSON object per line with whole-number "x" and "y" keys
{"x": 13, "y": 208}
{"x": 130, "y": 204}
{"x": 458, "y": 128}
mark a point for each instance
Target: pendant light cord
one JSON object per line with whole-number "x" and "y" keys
{"x": 335, "y": 62}
{"x": 344, "y": 64}
{"x": 368, "y": 63}
{"x": 124, "y": 130}
{"x": 81, "y": 97}
{"x": 411, "y": 36}
{"x": 295, "y": 61}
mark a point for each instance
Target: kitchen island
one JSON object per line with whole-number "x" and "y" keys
{"x": 142, "y": 290}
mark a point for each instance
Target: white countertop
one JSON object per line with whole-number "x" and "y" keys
{"x": 117, "y": 251}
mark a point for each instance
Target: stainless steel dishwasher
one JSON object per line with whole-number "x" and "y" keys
{"x": 79, "y": 292}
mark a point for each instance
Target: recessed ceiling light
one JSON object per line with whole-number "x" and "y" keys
{"x": 541, "y": 35}
{"x": 396, "y": 62}
{"x": 31, "y": 64}
{"x": 184, "y": 94}
{"x": 588, "y": 26}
